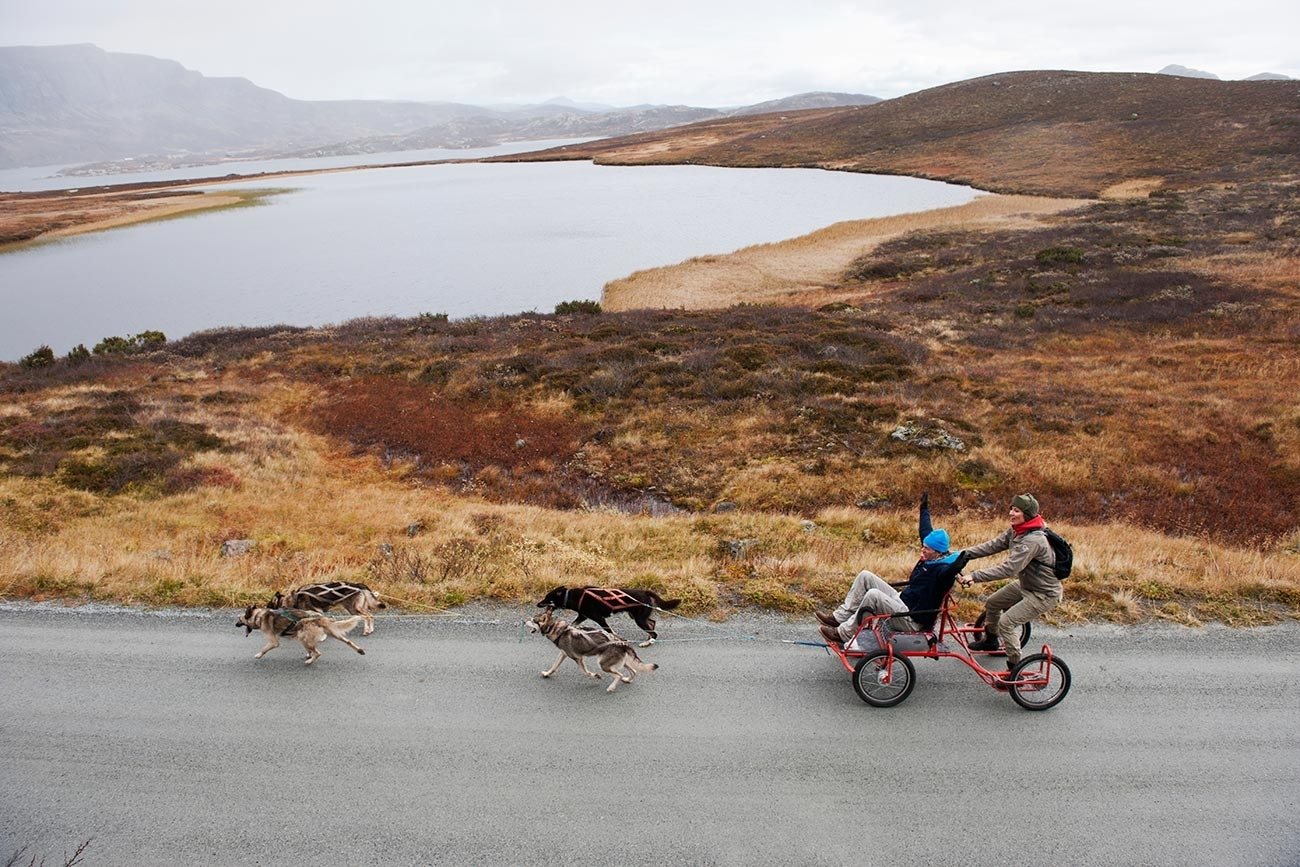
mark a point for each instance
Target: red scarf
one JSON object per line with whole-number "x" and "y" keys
{"x": 1034, "y": 523}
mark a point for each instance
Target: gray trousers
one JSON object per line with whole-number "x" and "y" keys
{"x": 870, "y": 592}
{"x": 1011, "y": 608}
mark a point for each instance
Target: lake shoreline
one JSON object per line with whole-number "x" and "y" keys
{"x": 807, "y": 270}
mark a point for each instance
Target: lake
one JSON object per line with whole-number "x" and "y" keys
{"x": 461, "y": 239}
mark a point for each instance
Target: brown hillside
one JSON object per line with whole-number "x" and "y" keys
{"x": 1048, "y": 133}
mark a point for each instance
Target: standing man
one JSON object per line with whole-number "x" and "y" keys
{"x": 1034, "y": 590}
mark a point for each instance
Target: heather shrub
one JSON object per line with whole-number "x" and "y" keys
{"x": 142, "y": 342}
{"x": 1054, "y": 256}
{"x": 401, "y": 419}
{"x": 42, "y": 356}
{"x": 587, "y": 308}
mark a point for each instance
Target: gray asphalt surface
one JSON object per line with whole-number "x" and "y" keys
{"x": 157, "y": 736}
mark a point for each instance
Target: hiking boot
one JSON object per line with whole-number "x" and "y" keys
{"x": 826, "y": 618}
{"x": 988, "y": 644}
{"x": 830, "y": 634}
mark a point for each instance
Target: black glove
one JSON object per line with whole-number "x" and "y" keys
{"x": 925, "y": 500}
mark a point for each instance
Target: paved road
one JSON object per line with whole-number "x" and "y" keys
{"x": 158, "y": 736}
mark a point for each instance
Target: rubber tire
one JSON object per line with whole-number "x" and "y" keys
{"x": 1032, "y": 699}
{"x": 867, "y": 669}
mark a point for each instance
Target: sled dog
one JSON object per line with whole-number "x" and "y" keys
{"x": 613, "y": 654}
{"x": 598, "y": 603}
{"x": 309, "y": 627}
{"x": 355, "y": 599}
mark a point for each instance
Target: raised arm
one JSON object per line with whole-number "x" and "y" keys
{"x": 925, "y": 516}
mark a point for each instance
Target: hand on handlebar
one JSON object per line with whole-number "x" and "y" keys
{"x": 964, "y": 580}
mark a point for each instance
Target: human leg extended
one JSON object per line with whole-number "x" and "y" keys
{"x": 872, "y": 594}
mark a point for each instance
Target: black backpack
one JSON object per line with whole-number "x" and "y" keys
{"x": 1064, "y": 554}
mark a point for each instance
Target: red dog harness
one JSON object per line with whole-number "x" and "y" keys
{"x": 611, "y": 597}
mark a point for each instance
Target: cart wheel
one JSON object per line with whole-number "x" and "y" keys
{"x": 884, "y": 682}
{"x": 1025, "y": 631}
{"x": 1041, "y": 695}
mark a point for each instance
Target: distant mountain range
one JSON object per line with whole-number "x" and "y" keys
{"x": 81, "y": 104}
{"x": 1187, "y": 72}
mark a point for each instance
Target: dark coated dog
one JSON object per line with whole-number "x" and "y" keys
{"x": 354, "y": 598}
{"x": 598, "y": 603}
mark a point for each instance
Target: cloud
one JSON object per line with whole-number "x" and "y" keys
{"x": 706, "y": 52}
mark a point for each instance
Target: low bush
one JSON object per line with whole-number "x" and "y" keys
{"x": 42, "y": 356}
{"x": 586, "y": 308}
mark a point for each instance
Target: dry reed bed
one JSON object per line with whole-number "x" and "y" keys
{"x": 792, "y": 271}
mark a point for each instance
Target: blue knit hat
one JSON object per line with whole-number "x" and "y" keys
{"x": 936, "y": 540}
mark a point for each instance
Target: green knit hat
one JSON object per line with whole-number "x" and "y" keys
{"x": 1026, "y": 503}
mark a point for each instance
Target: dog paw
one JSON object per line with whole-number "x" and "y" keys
{"x": 646, "y": 643}
{"x": 546, "y": 674}
{"x": 360, "y": 651}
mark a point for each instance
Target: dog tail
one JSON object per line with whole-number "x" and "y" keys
{"x": 634, "y": 662}
{"x": 347, "y": 624}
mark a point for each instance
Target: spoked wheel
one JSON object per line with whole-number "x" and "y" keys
{"x": 1049, "y": 682}
{"x": 1025, "y": 631}
{"x": 882, "y": 680}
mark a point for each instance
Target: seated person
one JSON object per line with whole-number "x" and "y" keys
{"x": 931, "y": 578}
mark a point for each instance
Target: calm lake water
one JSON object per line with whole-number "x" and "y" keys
{"x": 464, "y": 239}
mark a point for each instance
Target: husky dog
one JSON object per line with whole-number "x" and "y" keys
{"x": 309, "y": 627}
{"x": 355, "y": 599}
{"x": 614, "y": 655}
{"x": 598, "y": 603}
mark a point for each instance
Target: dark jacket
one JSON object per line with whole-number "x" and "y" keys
{"x": 929, "y": 582}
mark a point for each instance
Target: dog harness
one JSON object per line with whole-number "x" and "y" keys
{"x": 611, "y": 597}
{"x": 328, "y": 594}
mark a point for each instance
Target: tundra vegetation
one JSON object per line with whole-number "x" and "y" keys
{"x": 1131, "y": 361}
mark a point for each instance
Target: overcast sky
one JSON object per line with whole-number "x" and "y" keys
{"x": 696, "y": 52}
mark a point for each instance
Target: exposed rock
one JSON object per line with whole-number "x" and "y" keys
{"x": 414, "y": 528}
{"x": 237, "y": 547}
{"x": 724, "y": 506}
{"x": 736, "y": 549}
{"x": 926, "y": 437}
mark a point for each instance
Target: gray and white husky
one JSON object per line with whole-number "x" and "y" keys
{"x": 612, "y": 653}
{"x": 309, "y": 627}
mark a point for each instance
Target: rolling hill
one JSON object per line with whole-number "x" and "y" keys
{"x": 79, "y": 103}
{"x": 1044, "y": 132}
